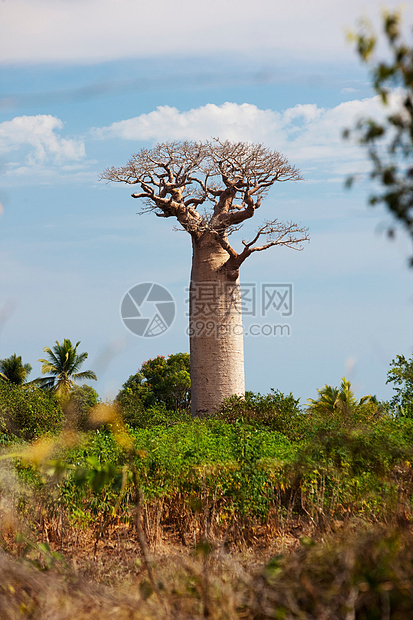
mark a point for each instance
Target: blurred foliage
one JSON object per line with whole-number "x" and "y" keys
{"x": 365, "y": 574}
{"x": 82, "y": 400}
{"x": 389, "y": 143}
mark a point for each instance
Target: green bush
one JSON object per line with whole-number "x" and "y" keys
{"x": 28, "y": 412}
{"x": 192, "y": 464}
{"x": 137, "y": 416}
{"x": 275, "y": 411}
{"x": 360, "y": 442}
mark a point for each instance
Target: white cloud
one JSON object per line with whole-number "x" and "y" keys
{"x": 228, "y": 121}
{"x": 95, "y": 30}
{"x": 38, "y": 138}
{"x": 309, "y": 135}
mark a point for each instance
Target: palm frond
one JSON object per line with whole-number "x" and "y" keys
{"x": 45, "y": 383}
{"x": 86, "y": 374}
{"x": 48, "y": 366}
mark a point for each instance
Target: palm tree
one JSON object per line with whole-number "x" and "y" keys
{"x": 13, "y": 370}
{"x": 63, "y": 364}
{"x": 331, "y": 399}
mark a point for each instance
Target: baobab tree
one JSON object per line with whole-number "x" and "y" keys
{"x": 211, "y": 188}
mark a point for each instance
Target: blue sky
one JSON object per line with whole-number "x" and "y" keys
{"x": 86, "y": 83}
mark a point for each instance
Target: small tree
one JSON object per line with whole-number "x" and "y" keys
{"x": 339, "y": 400}
{"x": 211, "y": 188}
{"x": 160, "y": 381}
{"x": 401, "y": 375}
{"x": 389, "y": 143}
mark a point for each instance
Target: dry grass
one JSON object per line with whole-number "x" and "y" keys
{"x": 355, "y": 573}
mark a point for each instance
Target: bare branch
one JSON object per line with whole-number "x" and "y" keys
{"x": 277, "y": 233}
{"x": 141, "y": 195}
{"x": 231, "y": 177}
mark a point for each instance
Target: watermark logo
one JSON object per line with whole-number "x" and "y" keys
{"x": 213, "y": 329}
{"x": 278, "y": 297}
{"x": 148, "y": 310}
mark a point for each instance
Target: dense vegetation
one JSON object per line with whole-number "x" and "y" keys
{"x": 27, "y": 413}
{"x": 320, "y": 495}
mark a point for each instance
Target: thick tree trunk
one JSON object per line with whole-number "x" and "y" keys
{"x": 215, "y": 329}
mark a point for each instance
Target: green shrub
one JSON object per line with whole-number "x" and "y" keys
{"x": 28, "y": 412}
{"x": 137, "y": 416}
{"x": 193, "y": 464}
{"x": 361, "y": 442}
{"x": 276, "y": 411}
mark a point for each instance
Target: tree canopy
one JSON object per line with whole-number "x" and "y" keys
{"x": 212, "y": 187}
{"x": 28, "y": 413}
{"x": 160, "y": 381}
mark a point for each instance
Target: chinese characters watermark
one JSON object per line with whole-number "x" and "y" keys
{"x": 256, "y": 300}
